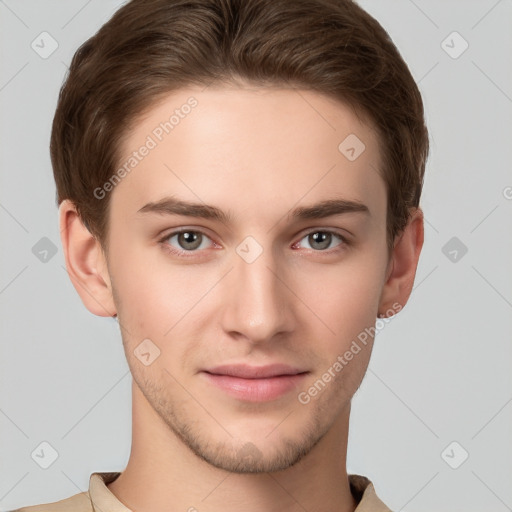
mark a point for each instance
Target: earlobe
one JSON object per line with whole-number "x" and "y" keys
{"x": 401, "y": 270}
{"x": 85, "y": 262}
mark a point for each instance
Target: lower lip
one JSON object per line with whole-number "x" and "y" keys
{"x": 256, "y": 390}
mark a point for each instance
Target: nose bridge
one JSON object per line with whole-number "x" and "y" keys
{"x": 258, "y": 303}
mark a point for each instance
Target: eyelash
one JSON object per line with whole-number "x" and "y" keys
{"x": 187, "y": 254}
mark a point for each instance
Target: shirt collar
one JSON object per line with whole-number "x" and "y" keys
{"x": 103, "y": 500}
{"x": 363, "y": 491}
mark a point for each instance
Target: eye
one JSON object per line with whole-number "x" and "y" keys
{"x": 322, "y": 240}
{"x": 186, "y": 240}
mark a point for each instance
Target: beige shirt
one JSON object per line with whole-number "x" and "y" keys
{"x": 99, "y": 498}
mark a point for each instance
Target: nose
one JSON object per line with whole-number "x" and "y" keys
{"x": 258, "y": 303}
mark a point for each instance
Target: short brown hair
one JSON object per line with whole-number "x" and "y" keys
{"x": 150, "y": 48}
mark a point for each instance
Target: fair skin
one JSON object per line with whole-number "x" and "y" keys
{"x": 256, "y": 154}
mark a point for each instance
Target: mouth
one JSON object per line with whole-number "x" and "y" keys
{"x": 255, "y": 383}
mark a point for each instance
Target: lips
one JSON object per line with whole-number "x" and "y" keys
{"x": 255, "y": 383}
{"x": 254, "y": 372}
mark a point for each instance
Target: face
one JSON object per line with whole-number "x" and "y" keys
{"x": 247, "y": 253}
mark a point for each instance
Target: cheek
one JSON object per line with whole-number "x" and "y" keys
{"x": 149, "y": 284}
{"x": 349, "y": 307}
{"x": 345, "y": 296}
{"x": 161, "y": 301}
{"x": 141, "y": 296}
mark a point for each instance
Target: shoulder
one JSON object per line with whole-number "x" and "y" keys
{"x": 77, "y": 503}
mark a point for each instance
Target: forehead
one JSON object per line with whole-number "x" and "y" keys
{"x": 249, "y": 147}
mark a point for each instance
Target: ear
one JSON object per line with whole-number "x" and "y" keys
{"x": 85, "y": 262}
{"x": 402, "y": 265}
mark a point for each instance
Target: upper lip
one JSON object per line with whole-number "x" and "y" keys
{"x": 246, "y": 371}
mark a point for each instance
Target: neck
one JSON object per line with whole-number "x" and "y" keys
{"x": 163, "y": 474}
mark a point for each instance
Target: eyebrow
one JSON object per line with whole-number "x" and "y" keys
{"x": 174, "y": 206}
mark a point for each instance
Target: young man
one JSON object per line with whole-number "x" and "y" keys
{"x": 239, "y": 183}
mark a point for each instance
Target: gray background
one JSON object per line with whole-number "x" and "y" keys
{"x": 440, "y": 371}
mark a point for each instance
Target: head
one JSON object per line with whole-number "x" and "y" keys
{"x": 272, "y": 117}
